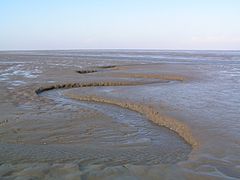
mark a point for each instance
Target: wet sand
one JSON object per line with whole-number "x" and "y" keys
{"x": 69, "y": 121}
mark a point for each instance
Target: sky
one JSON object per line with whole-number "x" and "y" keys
{"x": 120, "y": 24}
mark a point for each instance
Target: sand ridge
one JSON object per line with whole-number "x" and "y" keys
{"x": 150, "y": 112}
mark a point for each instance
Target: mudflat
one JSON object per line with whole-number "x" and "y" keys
{"x": 65, "y": 116}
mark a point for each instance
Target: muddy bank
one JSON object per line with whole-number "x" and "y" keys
{"x": 151, "y": 113}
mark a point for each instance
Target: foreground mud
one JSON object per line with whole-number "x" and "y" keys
{"x": 54, "y": 128}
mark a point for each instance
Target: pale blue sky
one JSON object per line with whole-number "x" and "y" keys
{"x": 158, "y": 24}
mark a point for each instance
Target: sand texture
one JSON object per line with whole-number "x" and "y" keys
{"x": 70, "y": 118}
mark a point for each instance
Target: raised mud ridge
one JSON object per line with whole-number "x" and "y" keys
{"x": 97, "y": 69}
{"x": 151, "y": 76}
{"x": 86, "y": 71}
{"x": 150, "y": 112}
{"x": 92, "y": 84}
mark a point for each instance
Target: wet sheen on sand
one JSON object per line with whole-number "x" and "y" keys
{"x": 56, "y": 135}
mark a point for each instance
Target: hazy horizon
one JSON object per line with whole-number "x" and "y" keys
{"x": 115, "y": 49}
{"x": 152, "y": 24}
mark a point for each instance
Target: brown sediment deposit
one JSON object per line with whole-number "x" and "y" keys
{"x": 150, "y": 112}
{"x": 107, "y": 67}
{"x": 96, "y": 69}
{"x": 91, "y": 84}
{"x": 86, "y": 71}
{"x": 152, "y": 76}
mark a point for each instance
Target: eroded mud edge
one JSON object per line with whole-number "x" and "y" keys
{"x": 150, "y": 112}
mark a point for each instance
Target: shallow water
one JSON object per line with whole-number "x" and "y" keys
{"x": 128, "y": 139}
{"x": 142, "y": 132}
{"x": 209, "y": 103}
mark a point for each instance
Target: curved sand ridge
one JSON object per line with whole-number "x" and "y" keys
{"x": 150, "y": 112}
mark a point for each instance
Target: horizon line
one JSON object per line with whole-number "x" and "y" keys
{"x": 102, "y": 49}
